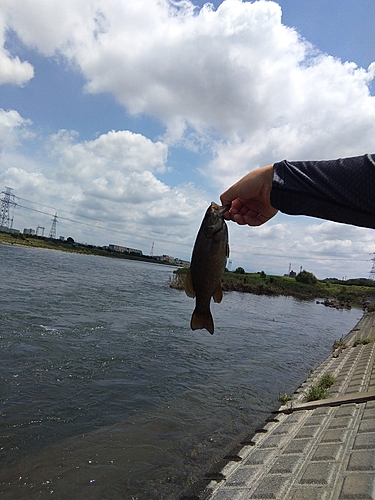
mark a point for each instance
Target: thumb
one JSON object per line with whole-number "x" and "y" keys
{"x": 229, "y": 195}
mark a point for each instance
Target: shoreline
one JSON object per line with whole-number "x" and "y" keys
{"x": 76, "y": 248}
{"x": 339, "y": 296}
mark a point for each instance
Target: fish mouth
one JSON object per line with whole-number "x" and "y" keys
{"x": 223, "y": 209}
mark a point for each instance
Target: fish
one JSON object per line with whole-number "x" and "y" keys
{"x": 208, "y": 261}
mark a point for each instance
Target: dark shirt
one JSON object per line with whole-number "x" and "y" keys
{"x": 340, "y": 190}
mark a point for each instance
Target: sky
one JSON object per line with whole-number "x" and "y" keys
{"x": 128, "y": 118}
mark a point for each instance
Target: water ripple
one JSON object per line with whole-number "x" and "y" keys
{"x": 107, "y": 393}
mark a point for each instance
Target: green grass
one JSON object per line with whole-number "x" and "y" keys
{"x": 271, "y": 285}
{"x": 262, "y": 284}
{"x": 364, "y": 341}
{"x": 339, "y": 344}
{"x": 320, "y": 390}
{"x": 284, "y": 398}
{"x": 338, "y": 347}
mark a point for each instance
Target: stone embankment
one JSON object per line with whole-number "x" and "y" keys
{"x": 322, "y": 449}
{"x": 336, "y": 304}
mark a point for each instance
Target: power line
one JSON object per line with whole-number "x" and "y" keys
{"x": 94, "y": 226}
{"x": 47, "y": 206}
{"x": 67, "y": 218}
{"x": 35, "y": 202}
{"x": 34, "y": 210}
{"x": 60, "y": 217}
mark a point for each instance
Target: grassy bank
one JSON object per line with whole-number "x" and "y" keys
{"x": 65, "y": 246}
{"x": 341, "y": 293}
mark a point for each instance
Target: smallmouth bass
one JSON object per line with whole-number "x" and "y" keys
{"x": 209, "y": 257}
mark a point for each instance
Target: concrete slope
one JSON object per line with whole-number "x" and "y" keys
{"x": 312, "y": 451}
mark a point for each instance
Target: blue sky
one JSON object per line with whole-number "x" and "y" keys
{"x": 129, "y": 118}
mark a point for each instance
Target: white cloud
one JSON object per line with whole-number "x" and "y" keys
{"x": 236, "y": 70}
{"x": 327, "y": 249}
{"x": 326, "y": 112}
{"x": 213, "y": 69}
{"x": 121, "y": 151}
{"x": 12, "y": 129}
{"x": 109, "y": 183}
{"x": 334, "y": 230}
{"x": 52, "y": 26}
{"x": 331, "y": 238}
{"x": 12, "y": 69}
{"x": 134, "y": 188}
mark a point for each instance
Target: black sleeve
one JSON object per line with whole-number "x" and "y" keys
{"x": 340, "y": 190}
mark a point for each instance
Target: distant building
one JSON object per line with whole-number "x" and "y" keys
{"x": 165, "y": 258}
{"x": 5, "y": 229}
{"x": 183, "y": 263}
{"x": 29, "y": 232}
{"x": 119, "y": 248}
{"x": 173, "y": 260}
{"x": 291, "y": 274}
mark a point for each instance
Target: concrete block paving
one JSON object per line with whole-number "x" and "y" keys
{"x": 324, "y": 450}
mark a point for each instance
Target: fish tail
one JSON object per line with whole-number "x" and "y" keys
{"x": 202, "y": 320}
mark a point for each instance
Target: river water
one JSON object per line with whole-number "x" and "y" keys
{"x": 107, "y": 394}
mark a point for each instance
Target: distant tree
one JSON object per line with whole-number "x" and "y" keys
{"x": 360, "y": 282}
{"x": 69, "y": 240}
{"x": 306, "y": 277}
{"x": 240, "y": 270}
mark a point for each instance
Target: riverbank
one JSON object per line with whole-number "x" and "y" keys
{"x": 305, "y": 450}
{"x": 343, "y": 294}
{"x": 72, "y": 247}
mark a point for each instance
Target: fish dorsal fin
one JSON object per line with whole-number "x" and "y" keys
{"x": 218, "y": 294}
{"x": 189, "y": 288}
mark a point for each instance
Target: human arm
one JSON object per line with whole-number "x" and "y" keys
{"x": 340, "y": 190}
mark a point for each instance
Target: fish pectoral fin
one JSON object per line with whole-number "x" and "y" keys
{"x": 218, "y": 294}
{"x": 202, "y": 320}
{"x": 189, "y": 289}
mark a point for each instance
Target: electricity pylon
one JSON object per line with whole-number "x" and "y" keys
{"x": 52, "y": 233}
{"x": 6, "y": 203}
{"x": 372, "y": 272}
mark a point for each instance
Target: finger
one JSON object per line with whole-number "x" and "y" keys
{"x": 239, "y": 219}
{"x": 225, "y": 199}
{"x": 250, "y": 219}
{"x": 229, "y": 195}
{"x": 240, "y": 213}
{"x": 246, "y": 211}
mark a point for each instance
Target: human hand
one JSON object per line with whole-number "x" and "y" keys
{"x": 250, "y": 198}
